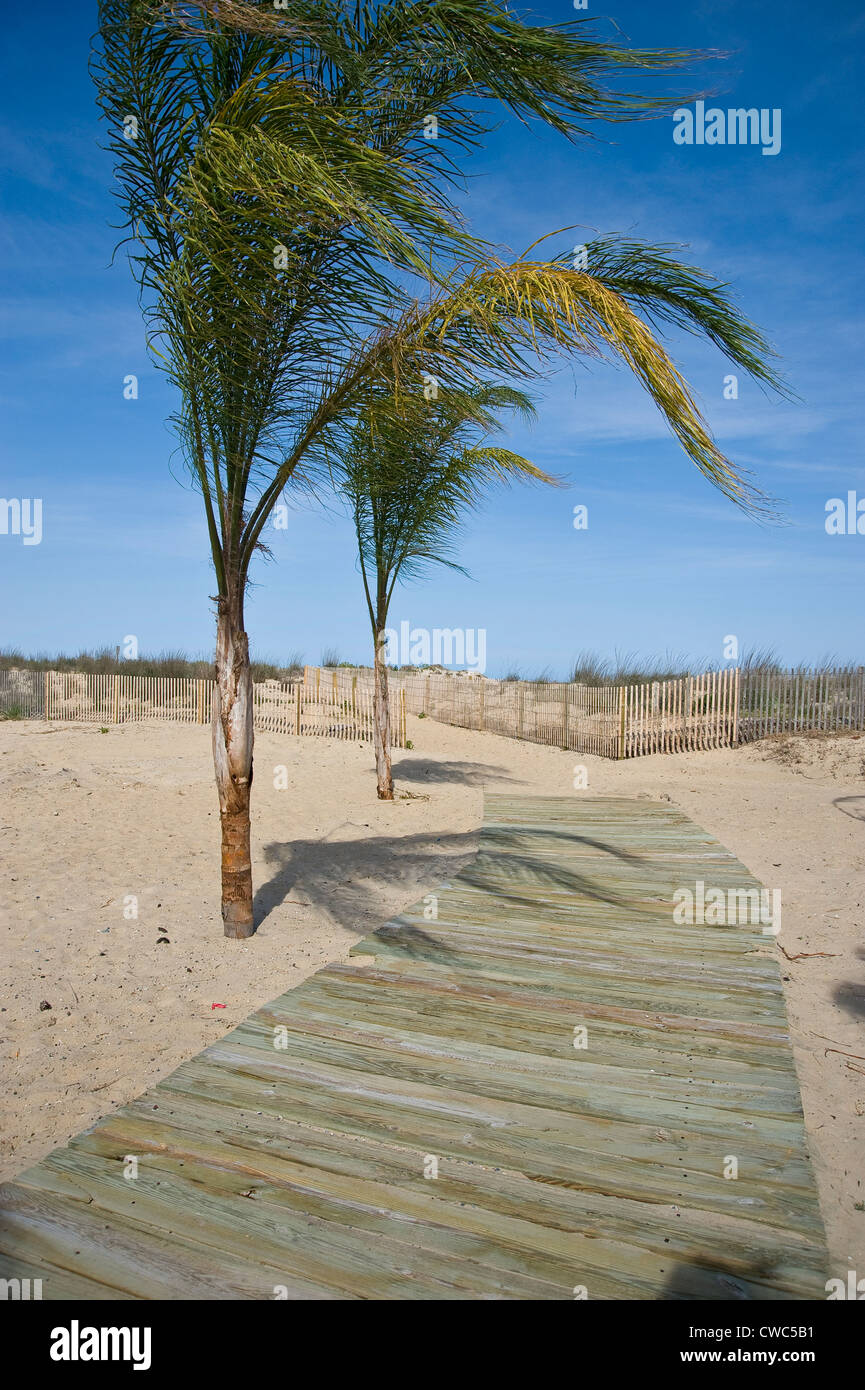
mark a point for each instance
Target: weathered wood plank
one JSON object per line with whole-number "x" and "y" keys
{"x": 295, "y": 1152}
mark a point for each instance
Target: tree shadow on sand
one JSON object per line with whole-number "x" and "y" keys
{"x": 850, "y": 994}
{"x": 419, "y": 770}
{"x": 346, "y": 878}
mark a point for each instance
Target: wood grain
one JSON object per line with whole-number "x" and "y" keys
{"x": 288, "y": 1159}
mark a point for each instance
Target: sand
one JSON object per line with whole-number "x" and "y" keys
{"x": 90, "y": 821}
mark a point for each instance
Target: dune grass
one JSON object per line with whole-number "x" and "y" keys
{"x": 588, "y": 668}
{"x": 108, "y": 661}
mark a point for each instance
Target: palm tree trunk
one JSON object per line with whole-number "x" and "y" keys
{"x": 381, "y": 723}
{"x": 232, "y": 760}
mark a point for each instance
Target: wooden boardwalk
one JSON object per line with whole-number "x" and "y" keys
{"x": 294, "y": 1157}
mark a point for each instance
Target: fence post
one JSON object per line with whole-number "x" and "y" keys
{"x": 565, "y": 717}
{"x": 402, "y": 714}
{"x": 297, "y": 715}
{"x": 481, "y": 705}
{"x": 621, "y": 721}
{"x": 735, "y": 732}
{"x": 116, "y": 699}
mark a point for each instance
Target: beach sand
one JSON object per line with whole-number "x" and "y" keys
{"x": 90, "y": 821}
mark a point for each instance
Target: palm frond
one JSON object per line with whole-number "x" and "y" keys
{"x": 510, "y": 319}
{"x": 302, "y": 128}
{"x": 414, "y": 470}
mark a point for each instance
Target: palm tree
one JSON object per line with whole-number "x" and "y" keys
{"x": 281, "y": 200}
{"x": 411, "y": 477}
{"x": 406, "y": 469}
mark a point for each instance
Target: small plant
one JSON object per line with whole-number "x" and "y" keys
{"x": 408, "y": 743}
{"x": 104, "y": 730}
{"x": 421, "y": 715}
{"x": 13, "y": 712}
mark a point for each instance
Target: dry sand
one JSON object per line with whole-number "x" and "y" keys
{"x": 89, "y": 819}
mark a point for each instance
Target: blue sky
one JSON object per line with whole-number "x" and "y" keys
{"x": 666, "y": 564}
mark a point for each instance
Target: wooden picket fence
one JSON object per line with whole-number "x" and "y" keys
{"x": 329, "y": 709}
{"x": 715, "y": 709}
{"x": 691, "y": 712}
{"x": 796, "y": 701}
{"x": 580, "y": 717}
{"x": 284, "y": 708}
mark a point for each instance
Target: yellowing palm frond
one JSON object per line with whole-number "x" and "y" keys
{"x": 514, "y": 318}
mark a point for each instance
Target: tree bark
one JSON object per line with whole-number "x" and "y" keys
{"x": 381, "y": 722}
{"x": 232, "y": 760}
